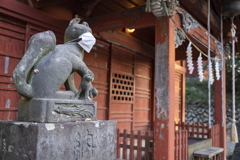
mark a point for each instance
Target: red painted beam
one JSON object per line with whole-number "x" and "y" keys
{"x": 45, "y": 3}
{"x": 129, "y": 18}
{"x": 164, "y": 90}
{"x": 182, "y": 55}
{"x": 127, "y": 41}
{"x": 198, "y": 36}
{"x": 26, "y": 13}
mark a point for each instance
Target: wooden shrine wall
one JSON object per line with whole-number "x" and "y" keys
{"x": 12, "y": 46}
{"x": 123, "y": 78}
{"x": 179, "y": 92}
{"x": 131, "y": 86}
{"x": 98, "y": 61}
{"x": 14, "y": 37}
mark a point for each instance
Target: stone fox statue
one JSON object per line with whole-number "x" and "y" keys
{"x": 45, "y": 67}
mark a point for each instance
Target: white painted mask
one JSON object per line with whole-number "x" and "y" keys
{"x": 87, "y": 42}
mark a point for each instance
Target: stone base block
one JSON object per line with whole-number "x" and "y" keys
{"x": 56, "y": 110}
{"x": 94, "y": 140}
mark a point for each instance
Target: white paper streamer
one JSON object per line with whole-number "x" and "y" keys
{"x": 189, "y": 58}
{"x": 217, "y": 71}
{"x": 200, "y": 68}
{"x": 211, "y": 78}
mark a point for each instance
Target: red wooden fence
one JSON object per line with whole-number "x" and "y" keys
{"x": 126, "y": 144}
{"x": 138, "y": 144}
{"x": 143, "y": 147}
{"x": 181, "y": 146}
{"x": 199, "y": 130}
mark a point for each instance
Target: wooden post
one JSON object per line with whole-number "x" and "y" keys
{"x": 164, "y": 89}
{"x": 118, "y": 143}
{"x": 139, "y": 146}
{"x": 218, "y": 109}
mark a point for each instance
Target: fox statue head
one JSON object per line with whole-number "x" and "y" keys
{"x": 74, "y": 30}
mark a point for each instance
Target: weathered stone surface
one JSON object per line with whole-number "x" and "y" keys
{"x": 56, "y": 110}
{"x": 58, "y": 141}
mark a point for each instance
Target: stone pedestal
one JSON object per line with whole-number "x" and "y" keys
{"x": 56, "y": 110}
{"x": 94, "y": 140}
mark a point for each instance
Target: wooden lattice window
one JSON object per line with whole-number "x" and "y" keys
{"x": 122, "y": 87}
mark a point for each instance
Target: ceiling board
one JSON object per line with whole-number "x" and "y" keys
{"x": 125, "y": 3}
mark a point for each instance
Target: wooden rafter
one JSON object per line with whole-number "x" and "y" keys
{"x": 138, "y": 18}
{"x": 30, "y": 3}
{"x": 129, "y": 18}
{"x": 135, "y": 4}
{"x": 45, "y": 3}
{"x": 32, "y": 15}
{"x": 118, "y": 4}
{"x": 217, "y": 7}
{"x": 105, "y": 8}
{"x": 198, "y": 9}
{"x": 88, "y": 7}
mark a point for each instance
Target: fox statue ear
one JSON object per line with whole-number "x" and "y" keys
{"x": 86, "y": 24}
{"x": 74, "y": 21}
{"x": 88, "y": 28}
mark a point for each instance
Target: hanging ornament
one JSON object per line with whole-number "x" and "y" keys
{"x": 200, "y": 68}
{"x": 148, "y": 6}
{"x": 217, "y": 70}
{"x": 211, "y": 77}
{"x": 233, "y": 130}
{"x": 189, "y": 58}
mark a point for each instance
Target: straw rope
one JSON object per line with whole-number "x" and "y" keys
{"x": 173, "y": 19}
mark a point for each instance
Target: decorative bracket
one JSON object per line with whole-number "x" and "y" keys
{"x": 187, "y": 21}
{"x": 179, "y": 37}
{"x": 161, "y": 8}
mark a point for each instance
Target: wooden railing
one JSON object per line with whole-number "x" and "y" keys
{"x": 137, "y": 145}
{"x": 141, "y": 143}
{"x": 199, "y": 130}
{"x": 202, "y": 131}
{"x": 180, "y": 145}
{"x": 130, "y": 141}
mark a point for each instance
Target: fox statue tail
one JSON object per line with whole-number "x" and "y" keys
{"x": 39, "y": 45}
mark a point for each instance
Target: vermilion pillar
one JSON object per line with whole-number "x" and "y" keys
{"x": 164, "y": 89}
{"x": 218, "y": 108}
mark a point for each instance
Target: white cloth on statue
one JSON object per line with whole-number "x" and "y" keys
{"x": 87, "y": 42}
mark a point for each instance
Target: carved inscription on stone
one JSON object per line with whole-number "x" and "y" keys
{"x": 76, "y": 110}
{"x": 84, "y": 146}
